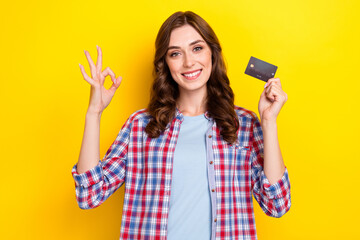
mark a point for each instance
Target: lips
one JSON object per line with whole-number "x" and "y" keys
{"x": 192, "y": 74}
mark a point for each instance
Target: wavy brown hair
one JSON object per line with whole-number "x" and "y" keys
{"x": 165, "y": 91}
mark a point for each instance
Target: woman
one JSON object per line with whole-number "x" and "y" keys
{"x": 191, "y": 160}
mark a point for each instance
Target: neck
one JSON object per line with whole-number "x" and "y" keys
{"x": 192, "y": 104}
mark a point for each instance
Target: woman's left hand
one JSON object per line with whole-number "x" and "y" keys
{"x": 272, "y": 99}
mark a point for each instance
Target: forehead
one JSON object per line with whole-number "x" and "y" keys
{"x": 183, "y": 36}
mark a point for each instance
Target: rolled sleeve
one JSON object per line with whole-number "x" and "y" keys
{"x": 88, "y": 178}
{"x": 278, "y": 189}
{"x": 274, "y": 199}
{"x": 97, "y": 184}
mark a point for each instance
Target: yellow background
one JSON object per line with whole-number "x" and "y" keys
{"x": 44, "y": 98}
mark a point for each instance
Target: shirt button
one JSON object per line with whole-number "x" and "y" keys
{"x": 210, "y": 136}
{"x": 211, "y": 162}
{"x": 215, "y": 220}
{"x": 213, "y": 190}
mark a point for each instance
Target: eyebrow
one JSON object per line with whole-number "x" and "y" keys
{"x": 192, "y": 43}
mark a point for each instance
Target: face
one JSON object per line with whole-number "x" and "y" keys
{"x": 189, "y": 59}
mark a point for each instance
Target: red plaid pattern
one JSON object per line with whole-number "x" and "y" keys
{"x": 145, "y": 166}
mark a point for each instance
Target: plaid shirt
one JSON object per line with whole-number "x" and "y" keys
{"x": 145, "y": 166}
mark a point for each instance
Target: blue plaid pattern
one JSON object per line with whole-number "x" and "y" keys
{"x": 145, "y": 166}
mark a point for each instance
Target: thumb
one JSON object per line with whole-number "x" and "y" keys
{"x": 263, "y": 94}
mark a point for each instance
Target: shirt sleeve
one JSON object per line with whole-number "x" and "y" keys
{"x": 275, "y": 199}
{"x": 94, "y": 186}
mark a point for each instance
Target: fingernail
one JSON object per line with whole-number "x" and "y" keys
{"x": 265, "y": 85}
{"x": 97, "y": 47}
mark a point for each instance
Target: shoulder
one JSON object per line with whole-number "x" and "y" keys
{"x": 249, "y": 123}
{"x": 141, "y": 115}
{"x": 245, "y": 114}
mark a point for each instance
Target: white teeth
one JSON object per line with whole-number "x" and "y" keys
{"x": 192, "y": 74}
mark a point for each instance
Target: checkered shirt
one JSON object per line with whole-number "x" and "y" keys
{"x": 144, "y": 164}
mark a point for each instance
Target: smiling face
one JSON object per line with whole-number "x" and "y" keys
{"x": 189, "y": 60}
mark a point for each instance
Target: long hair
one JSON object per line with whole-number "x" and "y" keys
{"x": 165, "y": 91}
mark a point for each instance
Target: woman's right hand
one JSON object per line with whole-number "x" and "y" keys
{"x": 100, "y": 97}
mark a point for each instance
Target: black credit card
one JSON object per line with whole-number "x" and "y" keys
{"x": 260, "y": 69}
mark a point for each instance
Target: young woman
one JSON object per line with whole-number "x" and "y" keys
{"x": 192, "y": 159}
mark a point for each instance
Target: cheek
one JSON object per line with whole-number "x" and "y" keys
{"x": 209, "y": 69}
{"x": 208, "y": 61}
{"x": 172, "y": 66}
{"x": 173, "y": 69}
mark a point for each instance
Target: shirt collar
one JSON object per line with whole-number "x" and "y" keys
{"x": 180, "y": 116}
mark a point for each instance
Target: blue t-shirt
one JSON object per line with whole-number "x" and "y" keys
{"x": 190, "y": 203}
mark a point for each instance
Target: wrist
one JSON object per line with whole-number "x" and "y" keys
{"x": 268, "y": 124}
{"x": 93, "y": 114}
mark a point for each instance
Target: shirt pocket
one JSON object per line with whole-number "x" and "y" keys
{"x": 243, "y": 156}
{"x": 243, "y": 152}
{"x": 242, "y": 174}
{"x": 243, "y": 147}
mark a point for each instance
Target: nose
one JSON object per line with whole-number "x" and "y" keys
{"x": 188, "y": 60}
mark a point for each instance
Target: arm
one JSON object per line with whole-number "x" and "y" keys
{"x": 95, "y": 185}
{"x": 271, "y": 101}
{"x": 100, "y": 98}
{"x": 88, "y": 170}
{"x": 274, "y": 198}
{"x": 274, "y": 166}
{"x": 90, "y": 147}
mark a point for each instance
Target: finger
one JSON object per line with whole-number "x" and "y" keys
{"x": 271, "y": 88}
{"x": 278, "y": 89}
{"x": 273, "y": 80}
{"x": 106, "y": 72}
{"x": 86, "y": 77}
{"x": 273, "y": 84}
{"x": 271, "y": 96}
{"x": 262, "y": 95}
{"x": 268, "y": 87}
{"x": 275, "y": 94}
{"x": 276, "y": 81}
{"x": 116, "y": 84}
{"x": 268, "y": 82}
{"x": 99, "y": 60}
{"x": 91, "y": 64}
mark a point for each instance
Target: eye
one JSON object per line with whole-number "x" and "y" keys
{"x": 197, "y": 49}
{"x": 174, "y": 54}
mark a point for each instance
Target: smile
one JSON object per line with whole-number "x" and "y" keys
{"x": 192, "y": 75}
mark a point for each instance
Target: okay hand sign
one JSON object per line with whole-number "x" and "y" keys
{"x": 100, "y": 97}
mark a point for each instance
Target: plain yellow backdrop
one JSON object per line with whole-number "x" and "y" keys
{"x": 43, "y": 98}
